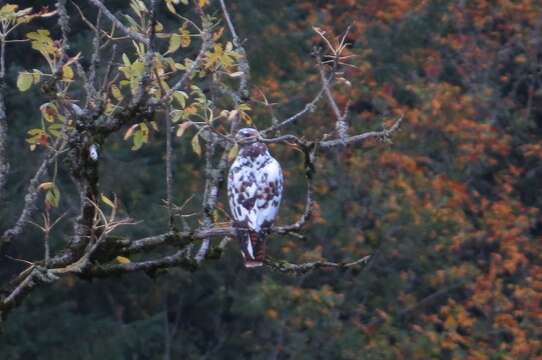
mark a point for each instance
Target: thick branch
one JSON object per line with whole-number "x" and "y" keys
{"x": 299, "y": 269}
{"x": 179, "y": 259}
{"x": 328, "y": 144}
{"x": 174, "y": 238}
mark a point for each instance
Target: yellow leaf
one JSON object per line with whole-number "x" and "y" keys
{"x": 202, "y": 3}
{"x": 233, "y": 152}
{"x": 122, "y": 260}
{"x": 217, "y": 35}
{"x": 244, "y": 107}
{"x": 246, "y": 118}
{"x": 67, "y": 73}
{"x": 144, "y": 130}
{"x": 185, "y": 38}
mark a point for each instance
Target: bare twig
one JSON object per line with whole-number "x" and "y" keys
{"x": 309, "y": 107}
{"x": 384, "y": 134}
{"x": 132, "y": 34}
{"x": 4, "y": 163}
{"x": 31, "y": 197}
{"x": 243, "y": 65}
{"x": 169, "y": 174}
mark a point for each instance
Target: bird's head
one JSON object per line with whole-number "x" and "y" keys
{"x": 247, "y": 136}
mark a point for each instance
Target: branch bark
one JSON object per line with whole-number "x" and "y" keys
{"x": 132, "y": 34}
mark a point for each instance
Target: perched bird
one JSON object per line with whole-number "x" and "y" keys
{"x": 255, "y": 186}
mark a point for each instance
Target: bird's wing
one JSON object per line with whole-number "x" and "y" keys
{"x": 255, "y": 191}
{"x": 242, "y": 188}
{"x": 269, "y": 193}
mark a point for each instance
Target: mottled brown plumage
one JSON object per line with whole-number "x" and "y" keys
{"x": 255, "y": 184}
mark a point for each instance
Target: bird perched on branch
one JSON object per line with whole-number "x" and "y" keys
{"x": 255, "y": 186}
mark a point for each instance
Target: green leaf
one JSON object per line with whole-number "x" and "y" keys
{"x": 141, "y": 136}
{"x": 36, "y": 76}
{"x": 8, "y": 11}
{"x": 176, "y": 116}
{"x": 181, "y": 97}
{"x": 174, "y": 43}
{"x": 41, "y": 41}
{"x": 138, "y": 140}
{"x": 182, "y": 128}
{"x": 158, "y": 27}
{"x": 52, "y": 196}
{"x": 117, "y": 94}
{"x": 55, "y": 130}
{"x": 125, "y": 60}
{"x": 24, "y": 81}
{"x": 196, "y": 145}
{"x": 133, "y": 23}
{"x": 107, "y": 201}
{"x": 170, "y": 7}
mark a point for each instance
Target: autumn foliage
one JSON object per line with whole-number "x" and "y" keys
{"x": 450, "y": 211}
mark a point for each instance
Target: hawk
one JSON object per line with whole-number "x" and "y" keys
{"x": 255, "y": 186}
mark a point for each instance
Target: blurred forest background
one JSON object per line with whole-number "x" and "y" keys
{"x": 450, "y": 211}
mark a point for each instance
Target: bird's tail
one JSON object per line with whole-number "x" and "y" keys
{"x": 252, "y": 247}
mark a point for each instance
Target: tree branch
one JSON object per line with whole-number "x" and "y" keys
{"x": 132, "y": 34}
{"x": 30, "y": 198}
{"x": 299, "y": 269}
{"x": 243, "y": 65}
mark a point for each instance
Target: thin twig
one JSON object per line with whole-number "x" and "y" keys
{"x": 132, "y": 34}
